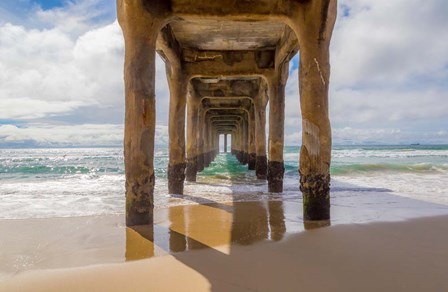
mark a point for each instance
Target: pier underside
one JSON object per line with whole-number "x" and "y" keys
{"x": 226, "y": 61}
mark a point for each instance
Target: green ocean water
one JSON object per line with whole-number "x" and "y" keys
{"x": 80, "y": 181}
{"x": 54, "y": 163}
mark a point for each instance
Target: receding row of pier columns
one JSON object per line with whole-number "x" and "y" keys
{"x": 222, "y": 83}
{"x": 244, "y": 117}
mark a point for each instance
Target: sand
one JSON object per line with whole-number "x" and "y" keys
{"x": 235, "y": 246}
{"x": 394, "y": 256}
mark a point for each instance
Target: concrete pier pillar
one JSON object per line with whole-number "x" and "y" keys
{"x": 139, "y": 77}
{"x": 176, "y": 127}
{"x": 206, "y": 140}
{"x": 276, "y": 90}
{"x": 192, "y": 137}
{"x": 240, "y": 143}
{"x": 200, "y": 139}
{"x": 319, "y": 17}
{"x": 216, "y": 145}
{"x": 235, "y": 138}
{"x": 252, "y": 148}
{"x": 225, "y": 143}
{"x": 261, "y": 162}
{"x": 246, "y": 141}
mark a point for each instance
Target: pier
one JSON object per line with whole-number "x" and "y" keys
{"x": 226, "y": 61}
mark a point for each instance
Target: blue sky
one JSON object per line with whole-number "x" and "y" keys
{"x": 61, "y": 66}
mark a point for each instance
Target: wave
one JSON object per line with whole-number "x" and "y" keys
{"x": 402, "y": 153}
{"x": 48, "y": 169}
{"x": 353, "y": 169}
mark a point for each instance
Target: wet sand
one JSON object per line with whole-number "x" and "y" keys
{"x": 235, "y": 246}
{"x": 395, "y": 256}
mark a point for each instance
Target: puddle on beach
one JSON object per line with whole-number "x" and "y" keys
{"x": 53, "y": 243}
{"x": 218, "y": 226}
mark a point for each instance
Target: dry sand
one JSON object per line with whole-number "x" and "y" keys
{"x": 394, "y": 256}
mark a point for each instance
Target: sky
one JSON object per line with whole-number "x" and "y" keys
{"x": 61, "y": 75}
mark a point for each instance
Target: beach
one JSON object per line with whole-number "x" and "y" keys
{"x": 227, "y": 233}
{"x": 236, "y": 246}
{"x": 395, "y": 256}
{"x": 273, "y": 145}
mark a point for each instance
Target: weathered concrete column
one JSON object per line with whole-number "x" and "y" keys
{"x": 314, "y": 26}
{"x": 240, "y": 151}
{"x": 200, "y": 139}
{"x": 140, "y": 31}
{"x": 210, "y": 142}
{"x": 225, "y": 142}
{"x": 207, "y": 141}
{"x": 176, "y": 125}
{"x": 213, "y": 144}
{"x": 252, "y": 148}
{"x": 245, "y": 141}
{"x": 260, "y": 137}
{"x": 276, "y": 89}
{"x": 216, "y": 143}
{"x": 237, "y": 140}
{"x": 192, "y": 136}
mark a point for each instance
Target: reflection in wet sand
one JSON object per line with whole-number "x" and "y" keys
{"x": 276, "y": 220}
{"x": 139, "y": 242}
{"x": 217, "y": 226}
{"x": 250, "y": 223}
{"x": 310, "y": 225}
{"x": 177, "y": 239}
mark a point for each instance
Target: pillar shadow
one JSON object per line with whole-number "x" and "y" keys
{"x": 139, "y": 242}
{"x": 188, "y": 228}
{"x": 204, "y": 201}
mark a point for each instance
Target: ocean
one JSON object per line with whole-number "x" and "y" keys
{"x": 65, "y": 182}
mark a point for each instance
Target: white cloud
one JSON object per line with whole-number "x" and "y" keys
{"x": 387, "y": 105}
{"x": 43, "y": 72}
{"x": 389, "y": 71}
{"x": 31, "y": 108}
{"x": 62, "y": 135}
{"x": 357, "y": 136}
{"x": 53, "y": 71}
{"x": 69, "y": 135}
{"x": 389, "y": 42}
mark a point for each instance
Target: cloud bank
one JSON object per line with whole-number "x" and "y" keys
{"x": 61, "y": 80}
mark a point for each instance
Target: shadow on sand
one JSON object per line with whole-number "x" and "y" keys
{"x": 219, "y": 228}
